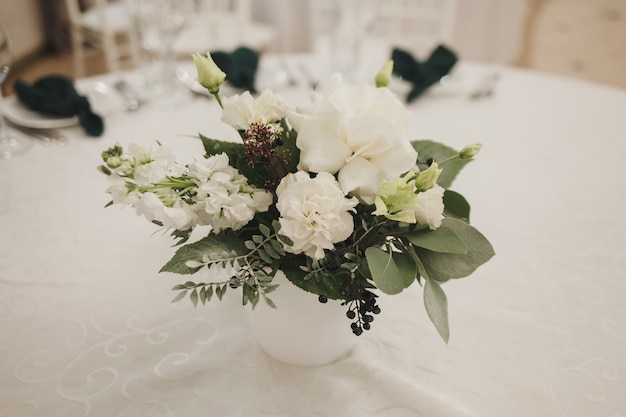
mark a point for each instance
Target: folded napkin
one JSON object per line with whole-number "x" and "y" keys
{"x": 422, "y": 74}
{"x": 55, "y": 95}
{"x": 240, "y": 67}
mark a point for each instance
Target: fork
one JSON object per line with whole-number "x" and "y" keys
{"x": 46, "y": 136}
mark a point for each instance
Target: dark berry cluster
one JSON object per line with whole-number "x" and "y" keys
{"x": 362, "y": 311}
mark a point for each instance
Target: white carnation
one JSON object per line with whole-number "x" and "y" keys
{"x": 359, "y": 132}
{"x": 314, "y": 213}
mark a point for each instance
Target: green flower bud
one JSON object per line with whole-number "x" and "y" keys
{"x": 470, "y": 151}
{"x": 383, "y": 78}
{"x": 210, "y": 75}
{"x": 104, "y": 170}
{"x": 114, "y": 162}
{"x": 428, "y": 178}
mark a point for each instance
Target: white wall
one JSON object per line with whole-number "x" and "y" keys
{"x": 23, "y": 20}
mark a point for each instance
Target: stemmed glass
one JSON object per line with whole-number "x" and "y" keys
{"x": 159, "y": 22}
{"x": 9, "y": 146}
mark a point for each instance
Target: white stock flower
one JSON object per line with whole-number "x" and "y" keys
{"x": 430, "y": 207}
{"x": 178, "y": 215}
{"x": 152, "y": 164}
{"x": 119, "y": 191}
{"x": 224, "y": 198}
{"x": 240, "y": 111}
{"x": 314, "y": 213}
{"x": 359, "y": 132}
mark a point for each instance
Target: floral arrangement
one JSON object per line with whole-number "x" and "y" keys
{"x": 335, "y": 195}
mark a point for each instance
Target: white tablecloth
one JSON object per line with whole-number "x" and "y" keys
{"x": 87, "y": 327}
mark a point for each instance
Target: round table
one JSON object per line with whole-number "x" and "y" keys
{"x": 87, "y": 327}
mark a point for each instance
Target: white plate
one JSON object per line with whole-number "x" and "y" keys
{"x": 104, "y": 102}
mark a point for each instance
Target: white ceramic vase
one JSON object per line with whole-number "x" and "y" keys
{"x": 301, "y": 330}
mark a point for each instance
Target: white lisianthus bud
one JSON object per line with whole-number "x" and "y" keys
{"x": 470, "y": 151}
{"x": 383, "y": 78}
{"x": 210, "y": 75}
{"x": 396, "y": 199}
{"x": 427, "y": 179}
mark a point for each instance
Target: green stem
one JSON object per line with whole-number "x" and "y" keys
{"x": 218, "y": 98}
{"x": 452, "y": 158}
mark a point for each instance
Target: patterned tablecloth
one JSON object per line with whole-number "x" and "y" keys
{"x": 87, "y": 327}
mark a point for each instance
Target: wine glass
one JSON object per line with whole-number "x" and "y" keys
{"x": 9, "y": 146}
{"x": 159, "y": 22}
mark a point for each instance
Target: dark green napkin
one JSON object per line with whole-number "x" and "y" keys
{"x": 422, "y": 74}
{"x": 56, "y": 95}
{"x": 240, "y": 67}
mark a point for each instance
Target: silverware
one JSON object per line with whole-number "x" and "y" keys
{"x": 485, "y": 87}
{"x": 131, "y": 98}
{"x": 46, "y": 136}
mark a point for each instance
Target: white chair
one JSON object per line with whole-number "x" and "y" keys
{"x": 415, "y": 25}
{"x": 104, "y": 26}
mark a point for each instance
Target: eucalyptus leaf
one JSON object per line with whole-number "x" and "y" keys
{"x": 220, "y": 248}
{"x": 440, "y": 152}
{"x": 445, "y": 266}
{"x": 442, "y": 240}
{"x": 391, "y": 272}
{"x": 436, "y": 304}
{"x": 456, "y": 206}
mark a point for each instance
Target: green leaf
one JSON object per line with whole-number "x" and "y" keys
{"x": 330, "y": 285}
{"x": 441, "y": 240}
{"x": 234, "y": 150}
{"x": 271, "y": 252}
{"x": 264, "y": 230}
{"x": 179, "y": 296}
{"x": 256, "y": 175}
{"x": 289, "y": 143}
{"x": 440, "y": 152}
{"x": 218, "y": 248}
{"x": 391, "y": 272}
{"x": 456, "y": 206}
{"x": 445, "y": 266}
{"x": 436, "y": 304}
{"x": 269, "y": 301}
{"x": 194, "y": 297}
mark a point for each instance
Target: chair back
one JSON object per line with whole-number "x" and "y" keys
{"x": 106, "y": 26}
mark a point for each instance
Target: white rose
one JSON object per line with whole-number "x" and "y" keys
{"x": 359, "y": 132}
{"x": 314, "y": 213}
{"x": 240, "y": 111}
{"x": 430, "y": 207}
